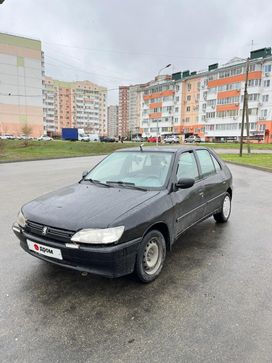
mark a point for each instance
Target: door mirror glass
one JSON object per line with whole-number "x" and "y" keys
{"x": 85, "y": 173}
{"x": 185, "y": 183}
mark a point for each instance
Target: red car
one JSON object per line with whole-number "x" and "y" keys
{"x": 154, "y": 139}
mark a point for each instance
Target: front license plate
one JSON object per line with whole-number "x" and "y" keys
{"x": 44, "y": 250}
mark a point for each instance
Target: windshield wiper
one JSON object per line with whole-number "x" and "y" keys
{"x": 94, "y": 181}
{"x": 125, "y": 184}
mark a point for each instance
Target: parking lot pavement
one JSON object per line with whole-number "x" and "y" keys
{"x": 212, "y": 302}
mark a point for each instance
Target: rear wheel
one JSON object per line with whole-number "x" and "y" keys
{"x": 151, "y": 256}
{"x": 224, "y": 214}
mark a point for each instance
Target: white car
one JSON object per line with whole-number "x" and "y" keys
{"x": 7, "y": 137}
{"x": 44, "y": 138}
{"x": 173, "y": 139}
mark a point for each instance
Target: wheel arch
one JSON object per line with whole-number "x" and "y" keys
{"x": 164, "y": 229}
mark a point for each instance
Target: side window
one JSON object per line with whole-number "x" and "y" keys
{"x": 187, "y": 167}
{"x": 206, "y": 162}
{"x": 216, "y": 163}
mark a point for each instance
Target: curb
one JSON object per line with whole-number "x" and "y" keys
{"x": 262, "y": 168}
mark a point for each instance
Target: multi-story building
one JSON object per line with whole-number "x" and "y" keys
{"x": 74, "y": 104}
{"x": 21, "y": 100}
{"x": 123, "y": 111}
{"x": 112, "y": 117}
{"x": 210, "y": 103}
{"x": 161, "y": 106}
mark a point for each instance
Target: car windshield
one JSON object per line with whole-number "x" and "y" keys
{"x": 140, "y": 169}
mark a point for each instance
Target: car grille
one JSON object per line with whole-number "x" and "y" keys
{"x": 51, "y": 232}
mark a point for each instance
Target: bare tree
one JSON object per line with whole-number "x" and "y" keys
{"x": 26, "y": 131}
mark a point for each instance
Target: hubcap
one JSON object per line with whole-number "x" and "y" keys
{"x": 226, "y": 206}
{"x": 152, "y": 256}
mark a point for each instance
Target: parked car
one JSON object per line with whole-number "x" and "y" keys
{"x": 24, "y": 137}
{"x": 137, "y": 139}
{"x": 107, "y": 139}
{"x": 7, "y": 137}
{"x": 44, "y": 138}
{"x": 93, "y": 137}
{"x": 173, "y": 139}
{"x": 192, "y": 139}
{"x": 142, "y": 200}
{"x": 154, "y": 139}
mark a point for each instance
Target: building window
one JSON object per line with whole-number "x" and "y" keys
{"x": 264, "y": 114}
{"x": 266, "y": 82}
{"x": 188, "y": 109}
{"x": 189, "y": 98}
{"x": 267, "y": 68}
{"x": 265, "y": 98}
{"x": 189, "y": 87}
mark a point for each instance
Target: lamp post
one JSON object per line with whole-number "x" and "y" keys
{"x": 157, "y": 139}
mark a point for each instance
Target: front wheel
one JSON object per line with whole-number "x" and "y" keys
{"x": 224, "y": 214}
{"x": 151, "y": 256}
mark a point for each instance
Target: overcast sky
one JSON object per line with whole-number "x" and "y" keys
{"x": 119, "y": 42}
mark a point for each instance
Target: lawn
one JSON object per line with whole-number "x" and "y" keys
{"x": 15, "y": 149}
{"x": 262, "y": 160}
{"x": 231, "y": 145}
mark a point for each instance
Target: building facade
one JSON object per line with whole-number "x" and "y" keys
{"x": 79, "y": 104}
{"x": 21, "y": 71}
{"x": 123, "y": 111}
{"x": 210, "y": 103}
{"x": 112, "y": 117}
{"x": 161, "y": 107}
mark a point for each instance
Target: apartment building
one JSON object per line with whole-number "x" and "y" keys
{"x": 21, "y": 99}
{"x": 123, "y": 111}
{"x": 161, "y": 106}
{"x": 209, "y": 103}
{"x": 112, "y": 117}
{"x": 79, "y": 104}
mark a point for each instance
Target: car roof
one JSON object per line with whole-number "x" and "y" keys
{"x": 163, "y": 149}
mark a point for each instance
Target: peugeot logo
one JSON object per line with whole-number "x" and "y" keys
{"x": 44, "y": 231}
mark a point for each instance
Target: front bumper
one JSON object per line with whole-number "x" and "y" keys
{"x": 109, "y": 261}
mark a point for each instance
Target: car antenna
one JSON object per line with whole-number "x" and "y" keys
{"x": 141, "y": 147}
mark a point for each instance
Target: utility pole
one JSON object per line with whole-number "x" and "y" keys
{"x": 244, "y": 110}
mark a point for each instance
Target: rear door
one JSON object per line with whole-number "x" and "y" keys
{"x": 188, "y": 203}
{"x": 213, "y": 184}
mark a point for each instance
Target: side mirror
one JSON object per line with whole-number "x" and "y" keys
{"x": 185, "y": 183}
{"x": 85, "y": 173}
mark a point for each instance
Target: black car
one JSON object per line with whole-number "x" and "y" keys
{"x": 125, "y": 214}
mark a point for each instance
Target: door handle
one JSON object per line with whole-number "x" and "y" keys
{"x": 201, "y": 194}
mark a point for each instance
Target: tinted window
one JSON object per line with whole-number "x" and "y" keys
{"x": 216, "y": 163}
{"x": 187, "y": 167}
{"x": 206, "y": 162}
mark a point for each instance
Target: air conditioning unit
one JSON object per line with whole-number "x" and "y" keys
{"x": 235, "y": 117}
{"x": 260, "y": 104}
{"x": 213, "y": 107}
{"x": 236, "y": 104}
{"x": 267, "y": 74}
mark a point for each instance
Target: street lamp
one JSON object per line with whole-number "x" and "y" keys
{"x": 168, "y": 65}
{"x": 157, "y": 139}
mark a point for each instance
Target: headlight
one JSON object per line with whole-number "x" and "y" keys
{"x": 98, "y": 236}
{"x": 21, "y": 219}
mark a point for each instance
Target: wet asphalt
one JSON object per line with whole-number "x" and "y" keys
{"x": 211, "y": 303}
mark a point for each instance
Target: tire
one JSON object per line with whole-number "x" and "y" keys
{"x": 224, "y": 214}
{"x": 150, "y": 257}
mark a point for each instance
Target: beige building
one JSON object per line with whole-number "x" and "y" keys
{"x": 79, "y": 104}
{"x": 112, "y": 118}
{"x": 21, "y": 100}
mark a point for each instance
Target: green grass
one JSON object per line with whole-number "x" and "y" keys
{"x": 262, "y": 160}
{"x": 11, "y": 150}
{"x": 15, "y": 150}
{"x": 237, "y": 146}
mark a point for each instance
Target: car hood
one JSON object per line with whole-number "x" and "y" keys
{"x": 84, "y": 206}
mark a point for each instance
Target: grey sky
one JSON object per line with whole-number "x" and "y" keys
{"x": 117, "y": 42}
